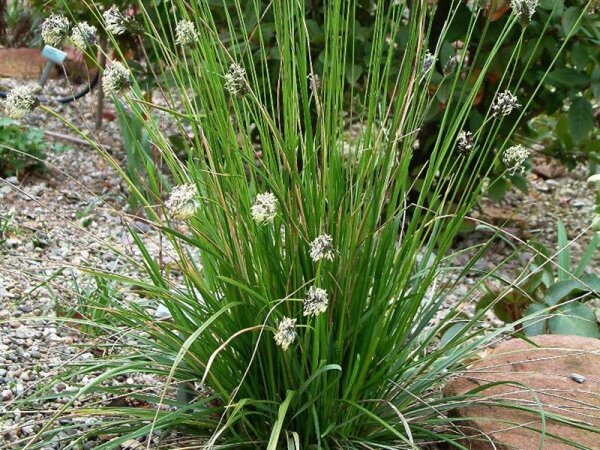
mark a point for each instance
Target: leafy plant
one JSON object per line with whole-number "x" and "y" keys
{"x": 554, "y": 293}
{"x": 22, "y": 148}
{"x": 305, "y": 309}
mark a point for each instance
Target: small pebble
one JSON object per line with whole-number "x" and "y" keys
{"x": 577, "y": 378}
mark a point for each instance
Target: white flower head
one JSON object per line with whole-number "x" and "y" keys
{"x": 185, "y": 33}
{"x": 235, "y": 80}
{"x": 83, "y": 35}
{"x": 322, "y": 248}
{"x": 505, "y": 103}
{"x": 183, "y": 201}
{"x": 524, "y": 9}
{"x": 315, "y": 301}
{"x": 514, "y": 158}
{"x": 21, "y": 101}
{"x": 264, "y": 208}
{"x": 116, "y": 78}
{"x": 314, "y": 82}
{"x": 54, "y": 29}
{"x": 286, "y": 333}
{"x": 428, "y": 62}
{"x": 464, "y": 142}
{"x": 114, "y": 21}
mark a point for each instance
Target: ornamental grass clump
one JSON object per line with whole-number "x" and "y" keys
{"x": 304, "y": 312}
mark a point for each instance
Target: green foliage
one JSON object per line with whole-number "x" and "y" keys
{"x": 552, "y": 297}
{"x": 366, "y": 371}
{"x": 92, "y": 303}
{"x": 6, "y": 227}
{"x": 138, "y": 152}
{"x": 22, "y": 148}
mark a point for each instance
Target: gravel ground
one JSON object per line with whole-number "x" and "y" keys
{"x": 72, "y": 216}
{"x": 62, "y": 220}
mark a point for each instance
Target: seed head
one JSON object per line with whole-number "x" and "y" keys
{"x": 315, "y": 302}
{"x": 428, "y": 62}
{"x": 114, "y": 21}
{"x": 286, "y": 333}
{"x": 464, "y": 142}
{"x": 322, "y": 248}
{"x": 21, "y": 101}
{"x": 524, "y": 9}
{"x": 505, "y": 103}
{"x": 183, "y": 201}
{"x": 235, "y": 80}
{"x": 116, "y": 78}
{"x": 314, "y": 82}
{"x": 264, "y": 209}
{"x": 514, "y": 158}
{"x": 185, "y": 33}
{"x": 83, "y": 35}
{"x": 54, "y": 29}
{"x": 450, "y": 65}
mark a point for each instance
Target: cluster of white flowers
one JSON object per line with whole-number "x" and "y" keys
{"x": 524, "y": 9}
{"x": 185, "y": 33}
{"x": 450, "y": 65}
{"x": 54, "y": 29}
{"x": 315, "y": 302}
{"x": 235, "y": 80}
{"x": 116, "y": 78}
{"x": 286, "y": 333}
{"x": 83, "y": 35}
{"x": 514, "y": 158}
{"x": 322, "y": 248}
{"x": 428, "y": 62}
{"x": 114, "y": 21}
{"x": 464, "y": 141}
{"x": 21, "y": 101}
{"x": 264, "y": 208}
{"x": 183, "y": 201}
{"x": 505, "y": 103}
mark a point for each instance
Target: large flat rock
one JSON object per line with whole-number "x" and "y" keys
{"x": 562, "y": 374}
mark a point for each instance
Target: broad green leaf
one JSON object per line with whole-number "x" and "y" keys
{"x": 580, "y": 55}
{"x": 563, "y": 289}
{"x": 564, "y": 257}
{"x": 353, "y": 73}
{"x": 452, "y": 332}
{"x": 569, "y": 19}
{"x": 569, "y": 78}
{"x": 581, "y": 119}
{"x": 498, "y": 188}
{"x": 520, "y": 182}
{"x": 587, "y": 256}
{"x": 535, "y": 325}
{"x": 550, "y": 5}
{"x": 575, "y": 319}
